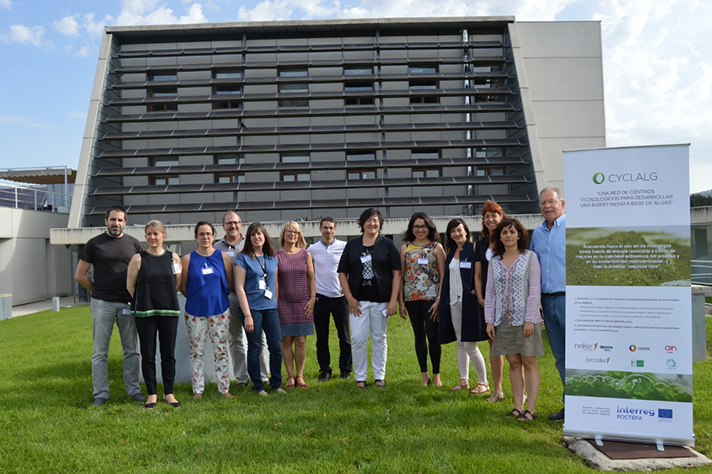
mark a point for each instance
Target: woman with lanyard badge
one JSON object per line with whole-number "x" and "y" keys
{"x": 256, "y": 288}
{"x": 423, "y": 264}
{"x": 205, "y": 282}
{"x": 459, "y": 319}
{"x": 370, "y": 273}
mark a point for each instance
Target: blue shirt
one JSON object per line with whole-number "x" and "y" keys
{"x": 254, "y": 271}
{"x": 207, "y": 290}
{"x": 550, "y": 247}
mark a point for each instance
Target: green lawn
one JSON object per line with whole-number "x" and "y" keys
{"x": 48, "y": 425}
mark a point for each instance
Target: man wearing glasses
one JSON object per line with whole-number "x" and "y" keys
{"x": 232, "y": 244}
{"x": 549, "y": 244}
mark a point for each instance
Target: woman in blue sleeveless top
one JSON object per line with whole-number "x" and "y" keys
{"x": 206, "y": 282}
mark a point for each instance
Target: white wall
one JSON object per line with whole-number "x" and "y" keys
{"x": 30, "y": 268}
{"x": 560, "y": 68}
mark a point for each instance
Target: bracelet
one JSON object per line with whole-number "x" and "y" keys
{"x": 437, "y": 298}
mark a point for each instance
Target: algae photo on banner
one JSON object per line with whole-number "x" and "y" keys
{"x": 629, "y": 385}
{"x": 628, "y": 256}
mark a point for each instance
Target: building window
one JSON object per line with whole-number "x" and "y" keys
{"x": 228, "y": 74}
{"x": 164, "y": 180}
{"x": 491, "y": 170}
{"x": 163, "y": 92}
{"x": 489, "y": 152}
{"x": 426, "y": 172}
{"x": 416, "y": 85}
{"x": 230, "y": 177}
{"x": 358, "y": 85}
{"x": 229, "y": 159}
{"x": 162, "y": 76}
{"x": 360, "y": 155}
{"x": 361, "y": 174}
{"x": 289, "y": 176}
{"x": 425, "y": 154}
{"x": 294, "y": 158}
{"x": 164, "y": 161}
{"x": 229, "y": 89}
{"x": 294, "y": 87}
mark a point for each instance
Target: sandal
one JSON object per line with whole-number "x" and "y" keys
{"x": 361, "y": 384}
{"x": 460, "y": 386}
{"x": 379, "y": 384}
{"x": 481, "y": 388}
{"x": 526, "y": 415}
{"x": 514, "y": 413}
{"x": 495, "y": 397}
{"x": 301, "y": 384}
{"x": 290, "y": 383}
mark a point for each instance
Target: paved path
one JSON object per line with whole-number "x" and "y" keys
{"x": 30, "y": 308}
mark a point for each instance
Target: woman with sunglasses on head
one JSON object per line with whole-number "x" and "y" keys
{"x": 459, "y": 319}
{"x": 423, "y": 265}
{"x": 257, "y": 291}
{"x": 296, "y": 301}
{"x": 492, "y": 214}
{"x": 205, "y": 282}
{"x": 512, "y": 300}
{"x": 370, "y": 275}
{"x": 153, "y": 279}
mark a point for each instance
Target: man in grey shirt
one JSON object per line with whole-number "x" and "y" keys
{"x": 232, "y": 244}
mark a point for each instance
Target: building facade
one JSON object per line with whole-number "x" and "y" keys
{"x": 296, "y": 120}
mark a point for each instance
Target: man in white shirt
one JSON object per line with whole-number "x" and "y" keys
{"x": 330, "y": 301}
{"x": 232, "y": 244}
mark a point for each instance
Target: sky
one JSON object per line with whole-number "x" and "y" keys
{"x": 657, "y": 62}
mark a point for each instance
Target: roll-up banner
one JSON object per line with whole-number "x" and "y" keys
{"x": 628, "y": 299}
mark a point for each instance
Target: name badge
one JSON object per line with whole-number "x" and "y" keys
{"x": 262, "y": 285}
{"x": 207, "y": 270}
{"x": 176, "y": 268}
{"x": 268, "y": 294}
{"x": 465, "y": 264}
{"x": 422, "y": 261}
{"x": 365, "y": 259}
{"x": 126, "y": 311}
{"x": 231, "y": 253}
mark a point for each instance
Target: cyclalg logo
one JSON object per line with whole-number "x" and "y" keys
{"x": 600, "y": 178}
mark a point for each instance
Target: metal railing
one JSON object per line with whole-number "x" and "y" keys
{"x": 701, "y": 271}
{"x": 44, "y": 197}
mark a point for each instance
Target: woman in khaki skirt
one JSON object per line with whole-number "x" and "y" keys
{"x": 512, "y": 314}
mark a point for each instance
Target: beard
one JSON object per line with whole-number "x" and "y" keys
{"x": 115, "y": 231}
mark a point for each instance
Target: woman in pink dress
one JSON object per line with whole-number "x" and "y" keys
{"x": 295, "y": 301}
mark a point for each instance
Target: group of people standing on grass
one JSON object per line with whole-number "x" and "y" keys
{"x": 260, "y": 303}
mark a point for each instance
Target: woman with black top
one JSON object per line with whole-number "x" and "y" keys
{"x": 153, "y": 278}
{"x": 459, "y": 319}
{"x": 492, "y": 214}
{"x": 370, "y": 273}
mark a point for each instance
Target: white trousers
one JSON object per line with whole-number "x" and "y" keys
{"x": 467, "y": 350}
{"x": 373, "y": 321}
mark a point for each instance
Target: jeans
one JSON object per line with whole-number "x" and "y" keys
{"x": 266, "y": 320}
{"x": 324, "y": 308}
{"x": 555, "y": 323}
{"x": 103, "y": 316}
{"x": 238, "y": 345}
{"x": 167, "y": 328}
{"x": 424, "y": 326}
{"x": 373, "y": 321}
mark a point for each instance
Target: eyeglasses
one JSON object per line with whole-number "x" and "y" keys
{"x": 232, "y": 223}
{"x": 420, "y": 227}
{"x": 292, "y": 232}
{"x": 205, "y": 234}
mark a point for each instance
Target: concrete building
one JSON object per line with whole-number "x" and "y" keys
{"x": 295, "y": 120}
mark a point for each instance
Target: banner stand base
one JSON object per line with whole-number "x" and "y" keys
{"x": 623, "y": 456}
